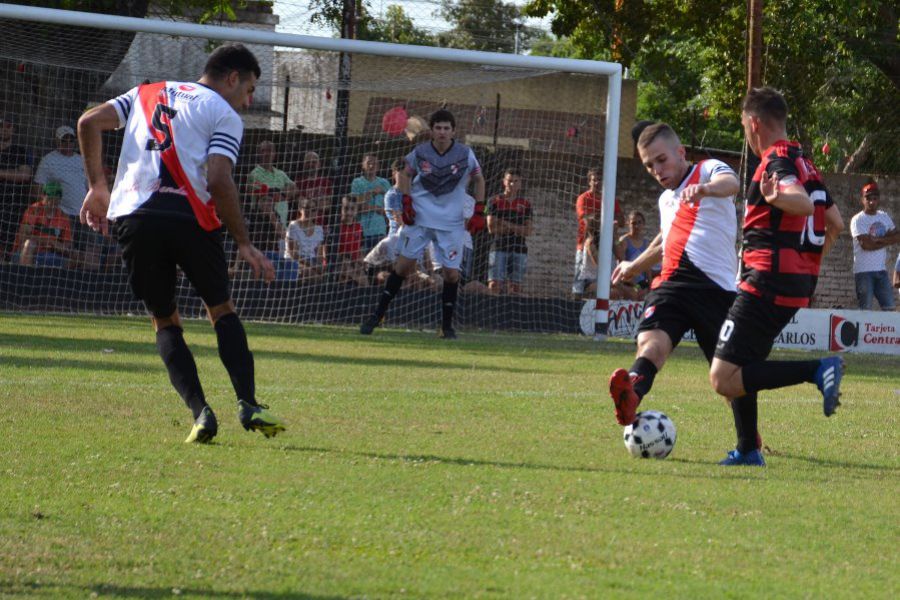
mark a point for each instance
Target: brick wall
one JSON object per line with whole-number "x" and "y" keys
{"x": 551, "y": 248}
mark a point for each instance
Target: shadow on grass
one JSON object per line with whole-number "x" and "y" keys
{"x": 470, "y": 462}
{"x": 117, "y": 591}
{"x": 824, "y": 462}
{"x": 82, "y": 345}
{"x": 50, "y": 363}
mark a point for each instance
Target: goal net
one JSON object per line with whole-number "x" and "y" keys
{"x": 328, "y": 119}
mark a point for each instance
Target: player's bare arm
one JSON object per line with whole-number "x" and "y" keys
{"x": 478, "y": 183}
{"x": 629, "y": 269}
{"x": 789, "y": 197}
{"x": 404, "y": 182}
{"x": 90, "y": 127}
{"x": 224, "y": 191}
{"x": 723, "y": 185}
{"x": 834, "y": 225}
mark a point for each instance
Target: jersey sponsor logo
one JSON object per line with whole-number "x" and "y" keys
{"x": 425, "y": 167}
{"x": 186, "y": 88}
{"x": 649, "y": 312}
{"x": 844, "y": 334}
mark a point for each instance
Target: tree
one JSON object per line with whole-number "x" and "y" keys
{"x": 488, "y": 25}
{"x": 395, "y": 27}
{"x": 837, "y": 62}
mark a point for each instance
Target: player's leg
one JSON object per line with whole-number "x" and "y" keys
{"x": 201, "y": 256}
{"x": 448, "y": 247}
{"x": 708, "y": 318}
{"x": 665, "y": 320}
{"x": 411, "y": 244}
{"x": 740, "y": 366}
{"x": 152, "y": 277}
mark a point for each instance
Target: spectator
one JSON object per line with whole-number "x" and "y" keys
{"x": 267, "y": 179}
{"x": 305, "y": 243}
{"x": 368, "y": 190}
{"x": 873, "y": 231}
{"x": 509, "y": 223}
{"x": 16, "y": 163}
{"x": 384, "y": 253}
{"x": 65, "y": 166}
{"x": 314, "y": 187}
{"x": 588, "y": 274}
{"x": 588, "y": 203}
{"x": 350, "y": 236}
{"x": 45, "y": 235}
{"x": 631, "y": 245}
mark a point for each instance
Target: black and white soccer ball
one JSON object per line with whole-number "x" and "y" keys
{"x": 651, "y": 435}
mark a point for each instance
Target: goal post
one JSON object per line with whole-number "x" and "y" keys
{"x": 471, "y": 70}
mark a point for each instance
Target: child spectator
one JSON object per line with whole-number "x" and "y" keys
{"x": 350, "y": 238}
{"x": 509, "y": 223}
{"x": 368, "y": 189}
{"x": 45, "y": 234}
{"x": 304, "y": 243}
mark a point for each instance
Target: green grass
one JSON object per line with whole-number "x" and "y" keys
{"x": 487, "y": 468}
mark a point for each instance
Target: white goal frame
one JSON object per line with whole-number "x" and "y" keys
{"x": 613, "y": 72}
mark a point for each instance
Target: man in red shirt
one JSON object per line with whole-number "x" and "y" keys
{"x": 587, "y": 204}
{"x": 45, "y": 233}
{"x": 788, "y": 221}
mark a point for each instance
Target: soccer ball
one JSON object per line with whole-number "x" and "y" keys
{"x": 652, "y": 435}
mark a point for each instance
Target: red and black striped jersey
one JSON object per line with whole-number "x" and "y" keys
{"x": 781, "y": 253}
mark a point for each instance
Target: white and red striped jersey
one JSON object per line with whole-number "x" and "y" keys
{"x": 699, "y": 238}
{"x": 172, "y": 127}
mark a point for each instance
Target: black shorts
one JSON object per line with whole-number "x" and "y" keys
{"x": 152, "y": 248}
{"x": 675, "y": 310}
{"x": 750, "y": 329}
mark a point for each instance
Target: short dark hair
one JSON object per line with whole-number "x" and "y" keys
{"x": 231, "y": 57}
{"x": 442, "y": 116}
{"x": 398, "y": 165}
{"x": 638, "y": 129}
{"x": 657, "y": 130}
{"x": 765, "y": 103}
{"x": 514, "y": 171}
{"x": 596, "y": 172}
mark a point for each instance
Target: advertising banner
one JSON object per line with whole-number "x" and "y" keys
{"x": 828, "y": 330}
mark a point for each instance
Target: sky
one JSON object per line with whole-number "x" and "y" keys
{"x": 295, "y": 14}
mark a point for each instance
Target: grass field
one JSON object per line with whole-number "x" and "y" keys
{"x": 487, "y": 468}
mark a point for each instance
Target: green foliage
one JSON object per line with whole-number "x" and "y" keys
{"x": 837, "y": 61}
{"x": 488, "y": 25}
{"x": 395, "y": 27}
{"x": 488, "y": 468}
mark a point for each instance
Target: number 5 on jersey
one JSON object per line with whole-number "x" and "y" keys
{"x": 162, "y": 126}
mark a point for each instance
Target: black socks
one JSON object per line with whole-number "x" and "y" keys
{"x": 181, "y": 366}
{"x": 391, "y": 287}
{"x": 772, "y": 374}
{"x": 236, "y": 356}
{"x": 448, "y": 303}
{"x": 646, "y": 372}
{"x": 745, "y": 422}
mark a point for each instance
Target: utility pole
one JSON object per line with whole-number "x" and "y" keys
{"x": 341, "y": 117}
{"x": 754, "y": 43}
{"x": 754, "y": 77}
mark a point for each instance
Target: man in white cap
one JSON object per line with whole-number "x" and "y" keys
{"x": 64, "y": 166}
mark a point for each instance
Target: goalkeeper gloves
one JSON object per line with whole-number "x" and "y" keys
{"x": 409, "y": 213}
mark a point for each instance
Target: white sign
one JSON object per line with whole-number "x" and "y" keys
{"x": 829, "y": 330}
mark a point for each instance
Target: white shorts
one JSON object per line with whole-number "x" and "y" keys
{"x": 384, "y": 252}
{"x": 448, "y": 245}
